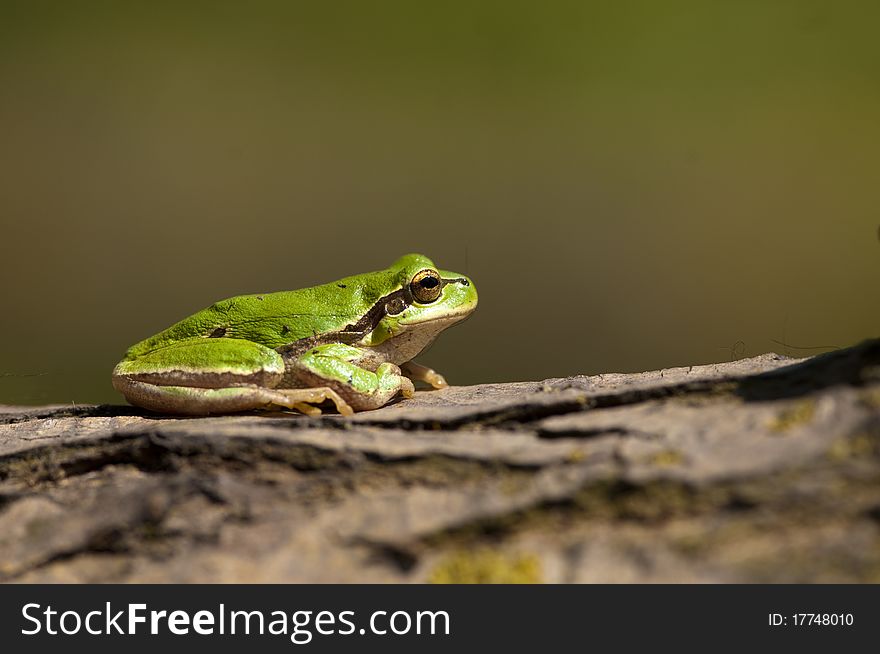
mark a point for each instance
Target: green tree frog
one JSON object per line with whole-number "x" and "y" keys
{"x": 351, "y": 342}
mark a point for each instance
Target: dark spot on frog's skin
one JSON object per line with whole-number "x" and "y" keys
{"x": 285, "y": 330}
{"x": 314, "y": 351}
{"x": 395, "y": 306}
{"x": 220, "y": 332}
{"x": 260, "y": 298}
{"x": 342, "y": 286}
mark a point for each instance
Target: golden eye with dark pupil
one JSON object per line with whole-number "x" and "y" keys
{"x": 425, "y": 286}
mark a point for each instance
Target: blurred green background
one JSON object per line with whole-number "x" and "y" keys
{"x": 631, "y": 185}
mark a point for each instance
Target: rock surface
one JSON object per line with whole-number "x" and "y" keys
{"x": 759, "y": 470}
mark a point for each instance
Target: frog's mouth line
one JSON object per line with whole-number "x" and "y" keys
{"x": 460, "y": 313}
{"x": 447, "y": 319}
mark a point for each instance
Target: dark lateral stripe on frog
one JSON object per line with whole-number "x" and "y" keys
{"x": 456, "y": 280}
{"x": 369, "y": 321}
{"x": 350, "y": 333}
{"x": 373, "y": 317}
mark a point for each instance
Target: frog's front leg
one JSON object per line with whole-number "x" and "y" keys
{"x": 351, "y": 372}
{"x": 418, "y": 372}
{"x": 202, "y": 376}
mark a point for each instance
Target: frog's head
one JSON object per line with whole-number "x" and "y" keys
{"x": 426, "y": 301}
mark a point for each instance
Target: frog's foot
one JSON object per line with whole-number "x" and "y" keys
{"x": 302, "y": 400}
{"x": 337, "y": 366}
{"x": 418, "y": 372}
{"x": 188, "y": 400}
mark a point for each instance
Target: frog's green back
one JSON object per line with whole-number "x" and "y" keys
{"x": 274, "y": 319}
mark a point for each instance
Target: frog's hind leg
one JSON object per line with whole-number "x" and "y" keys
{"x": 203, "y": 376}
{"x": 338, "y": 367}
{"x": 188, "y": 400}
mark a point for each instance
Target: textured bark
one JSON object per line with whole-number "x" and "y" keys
{"x": 765, "y": 469}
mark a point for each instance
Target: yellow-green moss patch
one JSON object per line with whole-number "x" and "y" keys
{"x": 797, "y": 414}
{"x": 871, "y": 398}
{"x": 486, "y": 566}
{"x": 666, "y": 458}
{"x": 856, "y": 446}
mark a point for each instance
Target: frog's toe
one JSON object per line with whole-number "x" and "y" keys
{"x": 343, "y": 407}
{"x": 407, "y": 388}
{"x": 307, "y": 409}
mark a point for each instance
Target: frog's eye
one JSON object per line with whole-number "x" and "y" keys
{"x": 426, "y": 285}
